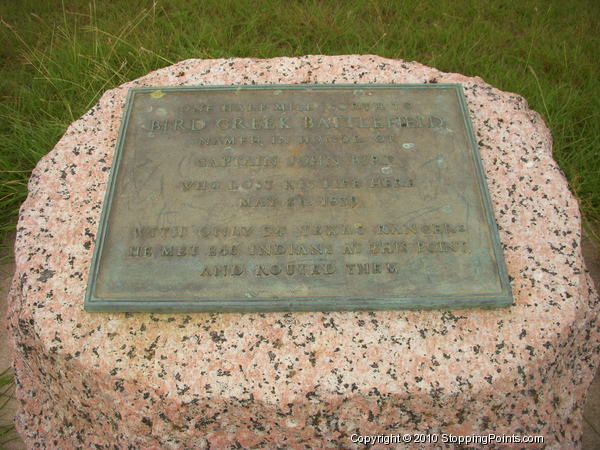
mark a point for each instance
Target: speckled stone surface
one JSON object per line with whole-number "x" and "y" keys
{"x": 303, "y": 379}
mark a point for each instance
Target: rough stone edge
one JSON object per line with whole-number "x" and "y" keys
{"x": 460, "y": 78}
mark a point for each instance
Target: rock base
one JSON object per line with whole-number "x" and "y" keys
{"x": 303, "y": 379}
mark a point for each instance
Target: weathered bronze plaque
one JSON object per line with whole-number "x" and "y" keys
{"x": 296, "y": 198}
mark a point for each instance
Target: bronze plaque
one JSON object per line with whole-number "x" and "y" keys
{"x": 296, "y": 198}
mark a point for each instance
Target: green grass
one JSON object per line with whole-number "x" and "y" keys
{"x": 7, "y": 432}
{"x": 58, "y": 57}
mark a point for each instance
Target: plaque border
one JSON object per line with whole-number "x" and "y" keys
{"x": 93, "y": 303}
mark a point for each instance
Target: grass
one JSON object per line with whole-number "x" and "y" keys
{"x": 58, "y": 57}
{"x": 7, "y": 432}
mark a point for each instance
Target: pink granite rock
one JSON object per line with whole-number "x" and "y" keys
{"x": 303, "y": 379}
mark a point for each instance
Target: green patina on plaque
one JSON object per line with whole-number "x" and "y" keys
{"x": 296, "y": 198}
